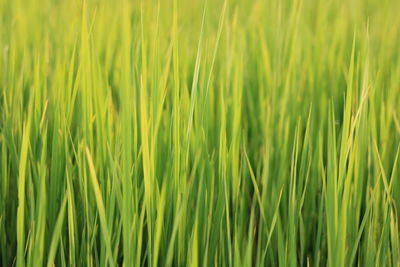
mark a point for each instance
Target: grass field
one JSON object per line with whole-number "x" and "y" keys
{"x": 199, "y": 133}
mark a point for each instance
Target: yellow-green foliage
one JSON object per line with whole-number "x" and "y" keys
{"x": 199, "y": 133}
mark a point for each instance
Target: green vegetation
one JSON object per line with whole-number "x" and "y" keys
{"x": 199, "y": 133}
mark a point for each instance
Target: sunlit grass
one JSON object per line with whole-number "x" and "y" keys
{"x": 199, "y": 133}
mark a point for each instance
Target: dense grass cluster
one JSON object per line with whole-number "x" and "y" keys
{"x": 199, "y": 133}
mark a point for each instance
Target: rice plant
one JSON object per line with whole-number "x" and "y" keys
{"x": 199, "y": 133}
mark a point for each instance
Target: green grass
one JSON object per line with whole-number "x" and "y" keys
{"x": 199, "y": 133}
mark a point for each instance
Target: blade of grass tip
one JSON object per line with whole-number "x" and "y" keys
{"x": 163, "y": 89}
{"x": 100, "y": 207}
{"x": 255, "y": 185}
{"x": 129, "y": 133}
{"x": 71, "y": 221}
{"x": 146, "y": 137}
{"x": 195, "y": 82}
{"x": 144, "y": 128}
{"x": 321, "y": 210}
{"x": 139, "y": 237}
{"x": 42, "y": 205}
{"x": 194, "y": 261}
{"x": 57, "y": 233}
{"x": 330, "y": 189}
{"x": 175, "y": 103}
{"x": 219, "y": 32}
{"x": 346, "y": 118}
{"x": 193, "y": 256}
{"x": 21, "y": 189}
{"x": 222, "y": 172}
{"x": 146, "y": 160}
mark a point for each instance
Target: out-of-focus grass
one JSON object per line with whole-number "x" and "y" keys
{"x": 199, "y": 133}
